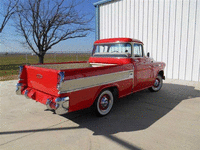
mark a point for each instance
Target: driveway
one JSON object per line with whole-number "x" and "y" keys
{"x": 168, "y": 119}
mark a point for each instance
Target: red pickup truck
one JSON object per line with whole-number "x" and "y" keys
{"x": 116, "y": 68}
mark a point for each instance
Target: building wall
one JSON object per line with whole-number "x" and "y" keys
{"x": 170, "y": 30}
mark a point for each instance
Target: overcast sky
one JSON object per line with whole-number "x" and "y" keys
{"x": 9, "y": 40}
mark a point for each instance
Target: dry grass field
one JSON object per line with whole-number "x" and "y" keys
{"x": 9, "y": 64}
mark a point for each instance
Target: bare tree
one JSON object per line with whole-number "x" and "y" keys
{"x": 45, "y": 23}
{"x": 9, "y": 10}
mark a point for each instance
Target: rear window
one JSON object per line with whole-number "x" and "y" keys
{"x": 112, "y": 50}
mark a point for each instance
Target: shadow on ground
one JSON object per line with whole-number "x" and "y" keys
{"x": 135, "y": 112}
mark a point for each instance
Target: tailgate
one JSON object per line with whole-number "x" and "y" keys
{"x": 42, "y": 79}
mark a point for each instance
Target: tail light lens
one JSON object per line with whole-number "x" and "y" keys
{"x": 61, "y": 76}
{"x": 20, "y": 71}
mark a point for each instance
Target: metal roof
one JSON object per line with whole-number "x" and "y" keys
{"x": 102, "y": 2}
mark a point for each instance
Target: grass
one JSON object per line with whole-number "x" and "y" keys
{"x": 9, "y": 64}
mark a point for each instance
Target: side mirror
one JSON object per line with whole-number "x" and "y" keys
{"x": 148, "y": 54}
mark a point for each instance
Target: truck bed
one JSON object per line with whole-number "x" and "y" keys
{"x": 71, "y": 65}
{"x": 65, "y": 66}
{"x": 45, "y": 77}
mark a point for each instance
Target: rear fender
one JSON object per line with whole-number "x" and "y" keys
{"x": 104, "y": 87}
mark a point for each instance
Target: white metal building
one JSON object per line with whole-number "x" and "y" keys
{"x": 170, "y": 30}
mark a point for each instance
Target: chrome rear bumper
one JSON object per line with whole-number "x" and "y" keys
{"x": 61, "y": 104}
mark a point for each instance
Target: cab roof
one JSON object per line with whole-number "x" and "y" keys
{"x": 116, "y": 40}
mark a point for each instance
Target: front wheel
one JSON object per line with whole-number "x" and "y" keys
{"x": 157, "y": 84}
{"x": 104, "y": 103}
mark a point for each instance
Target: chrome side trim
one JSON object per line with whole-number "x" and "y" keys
{"x": 18, "y": 88}
{"x": 88, "y": 82}
{"x": 62, "y": 105}
{"x": 101, "y": 64}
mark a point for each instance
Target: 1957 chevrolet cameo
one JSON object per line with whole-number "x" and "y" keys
{"x": 116, "y": 68}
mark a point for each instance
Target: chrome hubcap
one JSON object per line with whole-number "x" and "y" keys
{"x": 104, "y": 102}
{"x": 156, "y": 84}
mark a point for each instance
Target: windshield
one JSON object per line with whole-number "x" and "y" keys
{"x": 112, "y": 50}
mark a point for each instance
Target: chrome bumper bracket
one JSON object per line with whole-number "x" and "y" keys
{"x": 18, "y": 89}
{"x": 26, "y": 94}
{"x": 48, "y": 104}
{"x": 62, "y": 105}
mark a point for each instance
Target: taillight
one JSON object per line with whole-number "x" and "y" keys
{"x": 61, "y": 76}
{"x": 20, "y": 71}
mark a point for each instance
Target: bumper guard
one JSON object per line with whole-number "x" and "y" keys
{"x": 61, "y": 106}
{"x": 18, "y": 89}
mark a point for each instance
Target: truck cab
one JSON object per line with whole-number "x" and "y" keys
{"x": 128, "y": 51}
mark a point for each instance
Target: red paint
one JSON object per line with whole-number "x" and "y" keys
{"x": 114, "y": 40}
{"x": 110, "y": 60}
{"x": 95, "y": 71}
{"x": 42, "y": 79}
{"x": 42, "y": 83}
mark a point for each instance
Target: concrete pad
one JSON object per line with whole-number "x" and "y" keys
{"x": 168, "y": 119}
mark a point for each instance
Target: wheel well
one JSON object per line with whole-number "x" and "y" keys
{"x": 162, "y": 74}
{"x": 115, "y": 91}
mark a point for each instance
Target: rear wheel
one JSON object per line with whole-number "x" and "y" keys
{"x": 157, "y": 84}
{"x": 104, "y": 103}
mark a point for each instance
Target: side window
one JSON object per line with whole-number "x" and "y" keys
{"x": 137, "y": 50}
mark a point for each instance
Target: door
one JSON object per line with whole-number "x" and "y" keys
{"x": 143, "y": 68}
